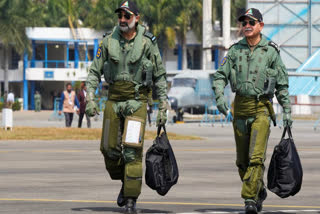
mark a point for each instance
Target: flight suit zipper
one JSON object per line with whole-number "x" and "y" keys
{"x": 124, "y": 54}
{"x": 249, "y": 59}
{"x": 248, "y": 71}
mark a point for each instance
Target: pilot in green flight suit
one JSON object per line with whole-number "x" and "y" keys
{"x": 130, "y": 61}
{"x": 254, "y": 68}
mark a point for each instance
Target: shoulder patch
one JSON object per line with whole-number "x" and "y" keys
{"x": 107, "y": 33}
{"x": 150, "y": 36}
{"x": 99, "y": 51}
{"x": 275, "y": 46}
{"x": 223, "y": 61}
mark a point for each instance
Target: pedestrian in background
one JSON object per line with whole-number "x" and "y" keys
{"x": 10, "y": 99}
{"x": 82, "y": 100}
{"x": 254, "y": 68}
{"x": 68, "y": 102}
{"x": 37, "y": 102}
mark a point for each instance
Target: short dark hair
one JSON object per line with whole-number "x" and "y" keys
{"x": 68, "y": 84}
{"x": 84, "y": 82}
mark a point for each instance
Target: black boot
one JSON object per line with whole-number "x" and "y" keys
{"x": 121, "y": 200}
{"x": 250, "y": 207}
{"x": 130, "y": 206}
{"x": 262, "y": 197}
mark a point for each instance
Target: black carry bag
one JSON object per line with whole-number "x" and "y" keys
{"x": 161, "y": 166}
{"x": 285, "y": 170}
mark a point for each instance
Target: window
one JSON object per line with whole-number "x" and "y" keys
{"x": 184, "y": 82}
{"x": 15, "y": 57}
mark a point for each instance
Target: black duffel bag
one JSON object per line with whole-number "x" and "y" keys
{"x": 285, "y": 170}
{"x": 161, "y": 166}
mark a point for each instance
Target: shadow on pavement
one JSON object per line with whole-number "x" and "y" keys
{"x": 237, "y": 211}
{"x": 116, "y": 210}
{"x": 220, "y": 210}
{"x": 266, "y": 212}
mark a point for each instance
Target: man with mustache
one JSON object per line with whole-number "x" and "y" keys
{"x": 130, "y": 61}
{"x": 254, "y": 68}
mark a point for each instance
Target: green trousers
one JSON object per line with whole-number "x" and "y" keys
{"x": 37, "y": 105}
{"x": 122, "y": 162}
{"x": 251, "y": 136}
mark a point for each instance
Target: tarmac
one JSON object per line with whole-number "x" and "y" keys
{"x": 68, "y": 176}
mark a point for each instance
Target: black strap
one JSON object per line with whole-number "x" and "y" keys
{"x": 159, "y": 129}
{"x": 286, "y": 129}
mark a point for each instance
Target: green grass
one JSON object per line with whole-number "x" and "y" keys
{"x": 31, "y": 133}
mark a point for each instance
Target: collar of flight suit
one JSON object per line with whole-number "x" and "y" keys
{"x": 263, "y": 42}
{"x": 114, "y": 45}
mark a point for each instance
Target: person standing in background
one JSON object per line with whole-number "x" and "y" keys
{"x": 10, "y": 99}
{"x": 37, "y": 102}
{"x": 68, "y": 101}
{"x": 82, "y": 100}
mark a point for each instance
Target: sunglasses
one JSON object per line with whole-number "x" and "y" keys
{"x": 126, "y": 15}
{"x": 251, "y": 22}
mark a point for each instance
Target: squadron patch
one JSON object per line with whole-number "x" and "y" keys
{"x": 98, "y": 55}
{"x": 223, "y": 61}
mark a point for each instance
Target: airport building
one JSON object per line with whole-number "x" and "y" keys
{"x": 58, "y": 58}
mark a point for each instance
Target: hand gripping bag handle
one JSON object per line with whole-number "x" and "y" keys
{"x": 287, "y": 129}
{"x": 159, "y": 129}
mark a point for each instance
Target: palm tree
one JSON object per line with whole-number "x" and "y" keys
{"x": 101, "y": 16}
{"x": 15, "y": 16}
{"x": 189, "y": 17}
{"x": 159, "y": 16}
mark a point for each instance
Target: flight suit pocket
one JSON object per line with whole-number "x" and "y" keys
{"x": 107, "y": 73}
{"x": 270, "y": 82}
{"x": 147, "y": 72}
{"x": 259, "y": 80}
{"x": 133, "y": 179}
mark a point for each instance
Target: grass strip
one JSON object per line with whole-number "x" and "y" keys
{"x": 32, "y": 133}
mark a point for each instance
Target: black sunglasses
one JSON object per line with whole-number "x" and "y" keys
{"x": 126, "y": 15}
{"x": 251, "y": 22}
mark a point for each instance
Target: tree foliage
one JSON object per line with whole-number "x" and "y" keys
{"x": 167, "y": 19}
{"x": 101, "y": 16}
{"x": 15, "y": 16}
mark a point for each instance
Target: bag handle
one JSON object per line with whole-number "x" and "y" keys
{"x": 287, "y": 129}
{"x": 159, "y": 129}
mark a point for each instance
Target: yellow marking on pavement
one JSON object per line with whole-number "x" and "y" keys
{"x": 155, "y": 202}
{"x": 232, "y": 150}
{"x": 44, "y": 151}
{"x": 206, "y": 150}
{"x": 183, "y": 150}
{"x": 56, "y": 151}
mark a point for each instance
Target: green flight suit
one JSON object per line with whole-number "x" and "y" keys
{"x": 37, "y": 102}
{"x": 254, "y": 75}
{"x": 130, "y": 68}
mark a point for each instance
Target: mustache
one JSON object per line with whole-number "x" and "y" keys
{"x": 124, "y": 24}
